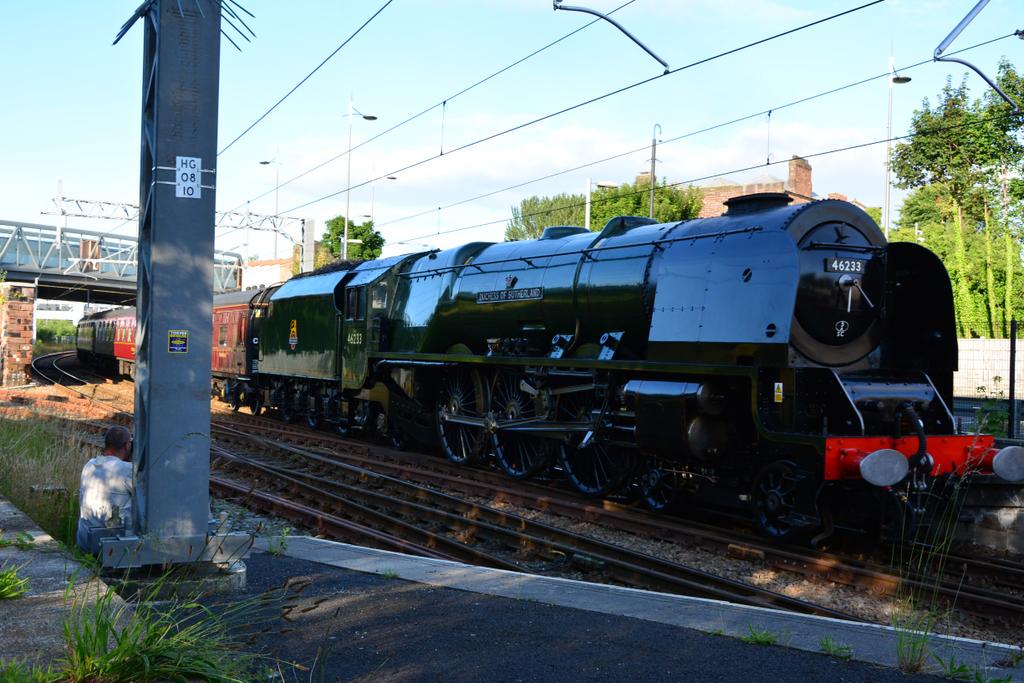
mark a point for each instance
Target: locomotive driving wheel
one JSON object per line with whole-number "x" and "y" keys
{"x": 592, "y": 467}
{"x": 774, "y": 500}
{"x": 460, "y": 416}
{"x": 596, "y": 469}
{"x": 521, "y": 455}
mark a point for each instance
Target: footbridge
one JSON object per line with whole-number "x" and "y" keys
{"x": 86, "y": 265}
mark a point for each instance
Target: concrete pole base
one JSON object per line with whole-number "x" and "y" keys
{"x": 179, "y": 582}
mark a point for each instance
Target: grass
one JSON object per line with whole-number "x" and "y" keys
{"x": 153, "y": 640}
{"x": 11, "y": 585}
{"x": 919, "y": 610}
{"x": 829, "y": 646}
{"x": 32, "y": 453}
{"x": 22, "y": 672}
{"x": 389, "y": 574}
{"x": 106, "y": 639}
{"x": 41, "y": 348}
{"x": 23, "y": 541}
{"x": 759, "y": 636}
{"x": 277, "y": 543}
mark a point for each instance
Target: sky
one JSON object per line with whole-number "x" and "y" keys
{"x": 72, "y": 102}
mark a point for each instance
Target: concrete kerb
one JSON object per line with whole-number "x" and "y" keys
{"x": 31, "y": 626}
{"x": 872, "y": 643}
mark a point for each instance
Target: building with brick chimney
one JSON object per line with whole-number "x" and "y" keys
{"x": 797, "y": 186}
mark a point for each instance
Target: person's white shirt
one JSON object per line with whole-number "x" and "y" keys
{"x": 106, "y": 484}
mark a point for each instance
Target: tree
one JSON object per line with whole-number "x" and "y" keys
{"x": 372, "y": 242}
{"x": 52, "y": 330}
{"x": 536, "y": 213}
{"x": 959, "y": 151}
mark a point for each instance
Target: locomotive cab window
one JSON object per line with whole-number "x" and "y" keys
{"x": 380, "y": 296}
{"x": 222, "y": 335}
{"x": 354, "y": 307}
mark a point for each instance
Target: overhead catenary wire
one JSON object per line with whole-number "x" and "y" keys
{"x": 722, "y": 124}
{"x": 432, "y": 107}
{"x": 305, "y": 78}
{"x": 592, "y": 100}
{"x": 690, "y": 181}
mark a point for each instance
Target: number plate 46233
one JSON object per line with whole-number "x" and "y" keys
{"x": 844, "y": 265}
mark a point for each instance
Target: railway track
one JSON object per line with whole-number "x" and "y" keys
{"x": 473, "y": 532}
{"x": 47, "y": 369}
{"x": 975, "y": 584}
{"x": 310, "y": 490}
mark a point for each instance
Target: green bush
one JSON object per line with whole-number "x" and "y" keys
{"x": 51, "y": 330}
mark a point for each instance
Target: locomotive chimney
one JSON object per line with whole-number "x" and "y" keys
{"x": 799, "y": 182}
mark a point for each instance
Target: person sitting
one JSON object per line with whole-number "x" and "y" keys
{"x": 105, "y": 495}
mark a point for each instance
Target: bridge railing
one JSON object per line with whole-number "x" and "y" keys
{"x": 49, "y": 250}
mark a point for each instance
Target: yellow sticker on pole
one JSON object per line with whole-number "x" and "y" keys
{"x": 177, "y": 341}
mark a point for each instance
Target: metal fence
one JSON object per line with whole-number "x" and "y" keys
{"x": 985, "y": 395}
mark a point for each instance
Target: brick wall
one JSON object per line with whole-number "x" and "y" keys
{"x": 799, "y": 182}
{"x": 16, "y": 334}
{"x": 798, "y": 187}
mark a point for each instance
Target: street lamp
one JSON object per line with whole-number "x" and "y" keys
{"x": 601, "y": 184}
{"x": 654, "y": 149}
{"x": 348, "y": 184}
{"x": 894, "y": 79}
{"x": 277, "y": 188}
{"x": 373, "y": 195}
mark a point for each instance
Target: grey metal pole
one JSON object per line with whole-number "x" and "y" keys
{"x": 175, "y": 292}
{"x": 1011, "y": 427}
{"x": 894, "y": 79}
{"x": 348, "y": 184}
{"x": 888, "y": 156}
{"x": 654, "y": 150}
{"x": 586, "y": 220}
{"x": 277, "y": 215}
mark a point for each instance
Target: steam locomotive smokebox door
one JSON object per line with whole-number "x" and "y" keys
{"x": 737, "y": 289}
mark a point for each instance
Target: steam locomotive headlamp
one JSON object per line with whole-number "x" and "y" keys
{"x": 884, "y": 467}
{"x": 1008, "y": 463}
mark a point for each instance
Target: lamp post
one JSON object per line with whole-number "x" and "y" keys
{"x": 654, "y": 148}
{"x": 601, "y": 184}
{"x": 894, "y": 79}
{"x": 348, "y": 184}
{"x": 277, "y": 188}
{"x": 373, "y": 195}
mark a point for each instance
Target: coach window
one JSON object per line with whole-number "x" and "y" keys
{"x": 222, "y": 335}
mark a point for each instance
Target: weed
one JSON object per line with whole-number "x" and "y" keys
{"x": 389, "y": 574}
{"x": 150, "y": 640}
{"x": 21, "y": 672}
{"x": 278, "y": 543}
{"x": 23, "y": 541}
{"x": 11, "y": 585}
{"x": 953, "y": 670}
{"x": 912, "y": 632}
{"x": 758, "y": 636}
{"x": 717, "y": 632}
{"x": 829, "y": 646}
